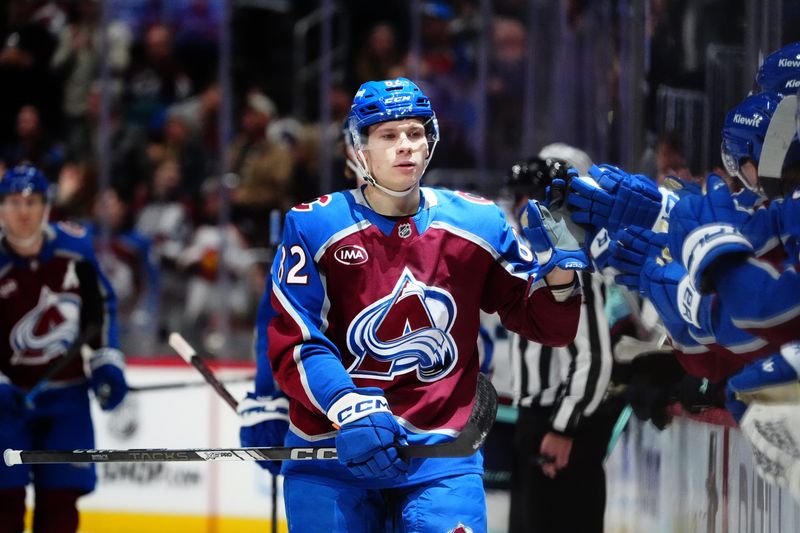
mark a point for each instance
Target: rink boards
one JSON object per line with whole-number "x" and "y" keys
{"x": 218, "y": 497}
{"x": 697, "y": 476}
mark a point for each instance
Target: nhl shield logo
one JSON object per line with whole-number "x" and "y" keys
{"x": 461, "y": 528}
{"x": 404, "y": 230}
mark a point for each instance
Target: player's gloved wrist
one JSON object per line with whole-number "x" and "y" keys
{"x": 611, "y": 198}
{"x": 551, "y": 240}
{"x": 761, "y": 376}
{"x": 264, "y": 422}
{"x": 369, "y": 436}
{"x": 107, "y": 380}
{"x": 708, "y": 244}
{"x": 629, "y": 249}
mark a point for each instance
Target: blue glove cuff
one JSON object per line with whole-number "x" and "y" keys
{"x": 706, "y": 243}
{"x": 355, "y": 405}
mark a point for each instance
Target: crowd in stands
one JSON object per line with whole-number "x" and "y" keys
{"x": 121, "y": 110}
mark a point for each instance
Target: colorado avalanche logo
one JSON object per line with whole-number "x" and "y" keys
{"x": 47, "y": 330}
{"x": 409, "y": 329}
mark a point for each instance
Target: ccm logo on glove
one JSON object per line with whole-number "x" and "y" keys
{"x": 354, "y": 406}
{"x": 362, "y": 408}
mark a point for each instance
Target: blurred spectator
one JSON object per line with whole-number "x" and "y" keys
{"x": 165, "y": 219}
{"x": 201, "y": 114}
{"x": 196, "y": 24}
{"x": 264, "y": 166}
{"x": 380, "y": 54}
{"x": 182, "y": 143}
{"x": 200, "y": 261}
{"x": 128, "y": 160}
{"x": 131, "y": 269}
{"x": 76, "y": 59}
{"x": 505, "y": 88}
{"x": 666, "y": 158}
{"x": 76, "y": 192}
{"x": 25, "y": 51}
{"x": 33, "y": 145}
{"x": 155, "y": 79}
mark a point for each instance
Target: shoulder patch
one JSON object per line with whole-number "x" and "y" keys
{"x": 72, "y": 229}
{"x": 474, "y": 198}
{"x": 322, "y": 201}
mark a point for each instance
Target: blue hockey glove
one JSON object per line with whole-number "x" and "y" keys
{"x": 611, "y": 198}
{"x": 264, "y": 422}
{"x": 368, "y": 435}
{"x": 704, "y": 228}
{"x": 772, "y": 371}
{"x": 107, "y": 379}
{"x": 672, "y": 294}
{"x": 551, "y": 240}
{"x": 629, "y": 249}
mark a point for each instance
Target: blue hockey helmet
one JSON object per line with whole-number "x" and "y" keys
{"x": 24, "y": 179}
{"x": 780, "y": 70}
{"x": 744, "y": 130}
{"x": 382, "y": 101}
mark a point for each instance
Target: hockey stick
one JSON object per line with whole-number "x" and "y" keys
{"x": 189, "y": 355}
{"x": 465, "y": 444}
{"x": 69, "y": 356}
{"x": 177, "y": 385}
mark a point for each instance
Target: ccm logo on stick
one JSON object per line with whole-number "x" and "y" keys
{"x": 314, "y": 453}
{"x": 351, "y": 254}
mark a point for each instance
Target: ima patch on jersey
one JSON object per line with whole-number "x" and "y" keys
{"x": 407, "y": 330}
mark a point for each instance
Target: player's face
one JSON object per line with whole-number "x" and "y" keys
{"x": 749, "y": 173}
{"x": 396, "y": 153}
{"x": 22, "y": 214}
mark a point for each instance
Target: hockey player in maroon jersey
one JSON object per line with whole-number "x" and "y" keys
{"x": 376, "y": 295}
{"x": 51, "y": 290}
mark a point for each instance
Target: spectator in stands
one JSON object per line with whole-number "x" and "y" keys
{"x": 76, "y": 59}
{"x": 131, "y": 269}
{"x": 155, "y": 79}
{"x": 201, "y": 263}
{"x": 76, "y": 192}
{"x": 380, "y": 55}
{"x": 33, "y": 145}
{"x": 182, "y": 143}
{"x": 201, "y": 114}
{"x": 264, "y": 167}
{"x": 129, "y": 162}
{"x": 25, "y": 51}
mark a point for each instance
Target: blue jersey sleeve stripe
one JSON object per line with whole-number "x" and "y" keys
{"x": 296, "y": 351}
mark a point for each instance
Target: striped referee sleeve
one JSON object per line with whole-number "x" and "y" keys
{"x": 587, "y": 360}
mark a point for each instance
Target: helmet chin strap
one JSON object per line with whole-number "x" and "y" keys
{"x": 361, "y": 169}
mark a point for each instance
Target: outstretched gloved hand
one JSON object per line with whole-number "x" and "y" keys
{"x": 551, "y": 240}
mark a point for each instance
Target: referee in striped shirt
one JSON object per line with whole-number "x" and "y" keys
{"x": 564, "y": 424}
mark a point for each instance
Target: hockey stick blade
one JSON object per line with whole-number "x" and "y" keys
{"x": 468, "y": 441}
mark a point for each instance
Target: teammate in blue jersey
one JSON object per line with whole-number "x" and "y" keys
{"x": 51, "y": 290}
{"x": 375, "y": 302}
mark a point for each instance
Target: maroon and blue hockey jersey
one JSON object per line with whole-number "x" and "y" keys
{"x": 46, "y": 300}
{"x": 359, "y": 299}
